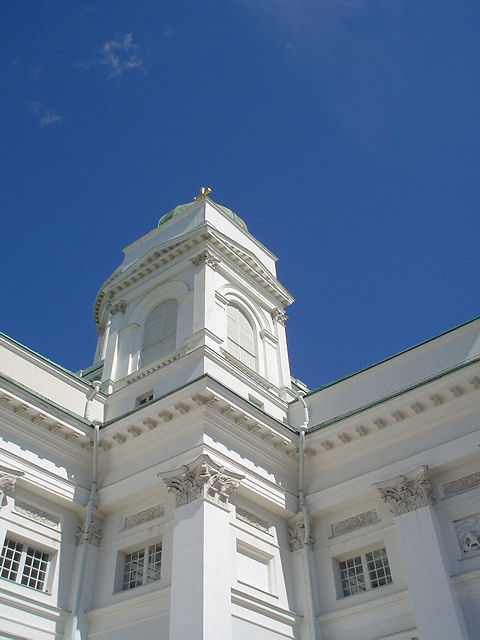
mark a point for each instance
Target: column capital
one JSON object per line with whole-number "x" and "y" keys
{"x": 8, "y": 478}
{"x": 205, "y": 257}
{"x": 202, "y": 479}
{"x": 407, "y": 492}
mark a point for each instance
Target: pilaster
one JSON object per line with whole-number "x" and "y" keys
{"x": 203, "y": 550}
{"x": 437, "y": 611}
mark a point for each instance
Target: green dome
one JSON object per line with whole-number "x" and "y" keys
{"x": 179, "y": 209}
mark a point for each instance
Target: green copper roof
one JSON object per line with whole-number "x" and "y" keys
{"x": 179, "y": 209}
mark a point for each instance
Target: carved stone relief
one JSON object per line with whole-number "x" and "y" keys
{"x": 152, "y": 513}
{"x": 202, "y": 479}
{"x": 279, "y": 316}
{"x": 468, "y": 533}
{"x": 296, "y": 532}
{"x": 355, "y": 522}
{"x": 407, "y": 492}
{"x": 205, "y": 257}
{"x": 8, "y": 478}
{"x": 252, "y": 519}
{"x": 461, "y": 484}
{"x": 32, "y": 512}
{"x": 94, "y": 531}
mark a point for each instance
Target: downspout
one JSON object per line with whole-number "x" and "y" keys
{"x": 307, "y": 542}
{"x": 88, "y": 517}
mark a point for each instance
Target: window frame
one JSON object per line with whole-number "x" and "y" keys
{"x": 369, "y": 574}
{"x": 24, "y": 570}
{"x": 125, "y": 585}
{"x": 163, "y": 353}
{"x": 232, "y": 304}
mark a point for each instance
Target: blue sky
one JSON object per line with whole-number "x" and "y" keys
{"x": 345, "y": 133}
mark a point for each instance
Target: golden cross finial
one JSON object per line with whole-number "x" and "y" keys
{"x": 204, "y": 191}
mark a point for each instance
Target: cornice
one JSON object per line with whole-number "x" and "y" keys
{"x": 395, "y": 410}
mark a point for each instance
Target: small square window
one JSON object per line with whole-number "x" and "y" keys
{"x": 364, "y": 572}
{"x": 24, "y": 564}
{"x": 144, "y": 399}
{"x": 142, "y": 566}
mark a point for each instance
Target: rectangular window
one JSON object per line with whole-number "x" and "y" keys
{"x": 24, "y": 564}
{"x": 364, "y": 572}
{"x": 142, "y": 567}
{"x": 143, "y": 399}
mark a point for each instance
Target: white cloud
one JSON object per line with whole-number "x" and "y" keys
{"x": 121, "y": 55}
{"x": 45, "y": 116}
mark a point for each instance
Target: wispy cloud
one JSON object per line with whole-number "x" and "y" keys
{"x": 45, "y": 116}
{"x": 121, "y": 55}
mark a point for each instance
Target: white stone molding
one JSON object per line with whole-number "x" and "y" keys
{"x": 417, "y": 407}
{"x": 38, "y": 418}
{"x": 88, "y": 444}
{"x": 465, "y": 483}
{"x": 380, "y": 423}
{"x": 105, "y": 445}
{"x": 8, "y": 479}
{"x": 296, "y": 532}
{"x": 398, "y": 415}
{"x": 361, "y": 430}
{"x": 456, "y": 391}
{"x": 344, "y": 438}
{"x": 468, "y": 533}
{"x": 205, "y": 257}
{"x": 436, "y": 399}
{"x": 278, "y": 315}
{"x": 252, "y": 519}
{"x": 242, "y": 420}
{"x": 227, "y": 411}
{"x": 94, "y": 531}
{"x": 21, "y": 409}
{"x": 182, "y": 408}
{"x": 150, "y": 423}
{"x": 100, "y": 330}
{"x": 72, "y": 436}
{"x": 29, "y": 511}
{"x": 407, "y": 492}
{"x": 54, "y": 428}
{"x": 165, "y": 415}
{"x": 254, "y": 428}
{"x": 152, "y": 513}
{"x": 208, "y": 401}
{"x": 135, "y": 431}
{"x": 355, "y": 522}
{"x": 119, "y": 437}
{"x": 119, "y": 307}
{"x": 475, "y": 382}
{"x": 202, "y": 479}
{"x": 4, "y": 400}
{"x": 326, "y": 445}
{"x": 146, "y": 371}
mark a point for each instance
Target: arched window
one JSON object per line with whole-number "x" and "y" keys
{"x": 160, "y": 333}
{"x": 241, "y": 336}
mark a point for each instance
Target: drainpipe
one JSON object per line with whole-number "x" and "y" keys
{"x": 88, "y": 518}
{"x": 307, "y": 542}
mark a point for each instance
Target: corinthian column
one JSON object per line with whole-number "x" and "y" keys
{"x": 203, "y": 550}
{"x": 437, "y": 611}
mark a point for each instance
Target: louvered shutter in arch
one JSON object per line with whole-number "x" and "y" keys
{"x": 160, "y": 333}
{"x": 241, "y": 336}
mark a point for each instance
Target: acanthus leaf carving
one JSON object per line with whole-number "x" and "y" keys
{"x": 202, "y": 479}
{"x": 407, "y": 492}
{"x": 94, "y": 531}
{"x": 296, "y": 532}
{"x": 8, "y": 479}
{"x": 205, "y": 257}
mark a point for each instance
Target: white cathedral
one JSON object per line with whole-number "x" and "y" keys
{"x": 186, "y": 487}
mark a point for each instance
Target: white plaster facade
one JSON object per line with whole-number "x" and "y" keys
{"x": 198, "y": 460}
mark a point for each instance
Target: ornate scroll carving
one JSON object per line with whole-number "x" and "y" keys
{"x": 152, "y": 513}
{"x": 43, "y": 517}
{"x": 119, "y": 307}
{"x": 279, "y": 316}
{"x": 468, "y": 533}
{"x": 205, "y": 257}
{"x": 94, "y": 532}
{"x": 355, "y": 522}
{"x": 8, "y": 478}
{"x": 407, "y": 492}
{"x": 296, "y": 532}
{"x": 461, "y": 484}
{"x": 202, "y": 479}
{"x": 252, "y": 519}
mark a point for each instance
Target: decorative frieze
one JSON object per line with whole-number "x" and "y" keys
{"x": 94, "y": 532}
{"x": 8, "y": 479}
{"x": 278, "y": 315}
{"x": 461, "y": 484}
{"x": 296, "y": 532}
{"x": 252, "y": 519}
{"x": 38, "y": 515}
{"x": 207, "y": 258}
{"x": 468, "y": 533}
{"x": 407, "y": 492}
{"x": 202, "y": 479}
{"x": 152, "y": 513}
{"x": 355, "y": 522}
